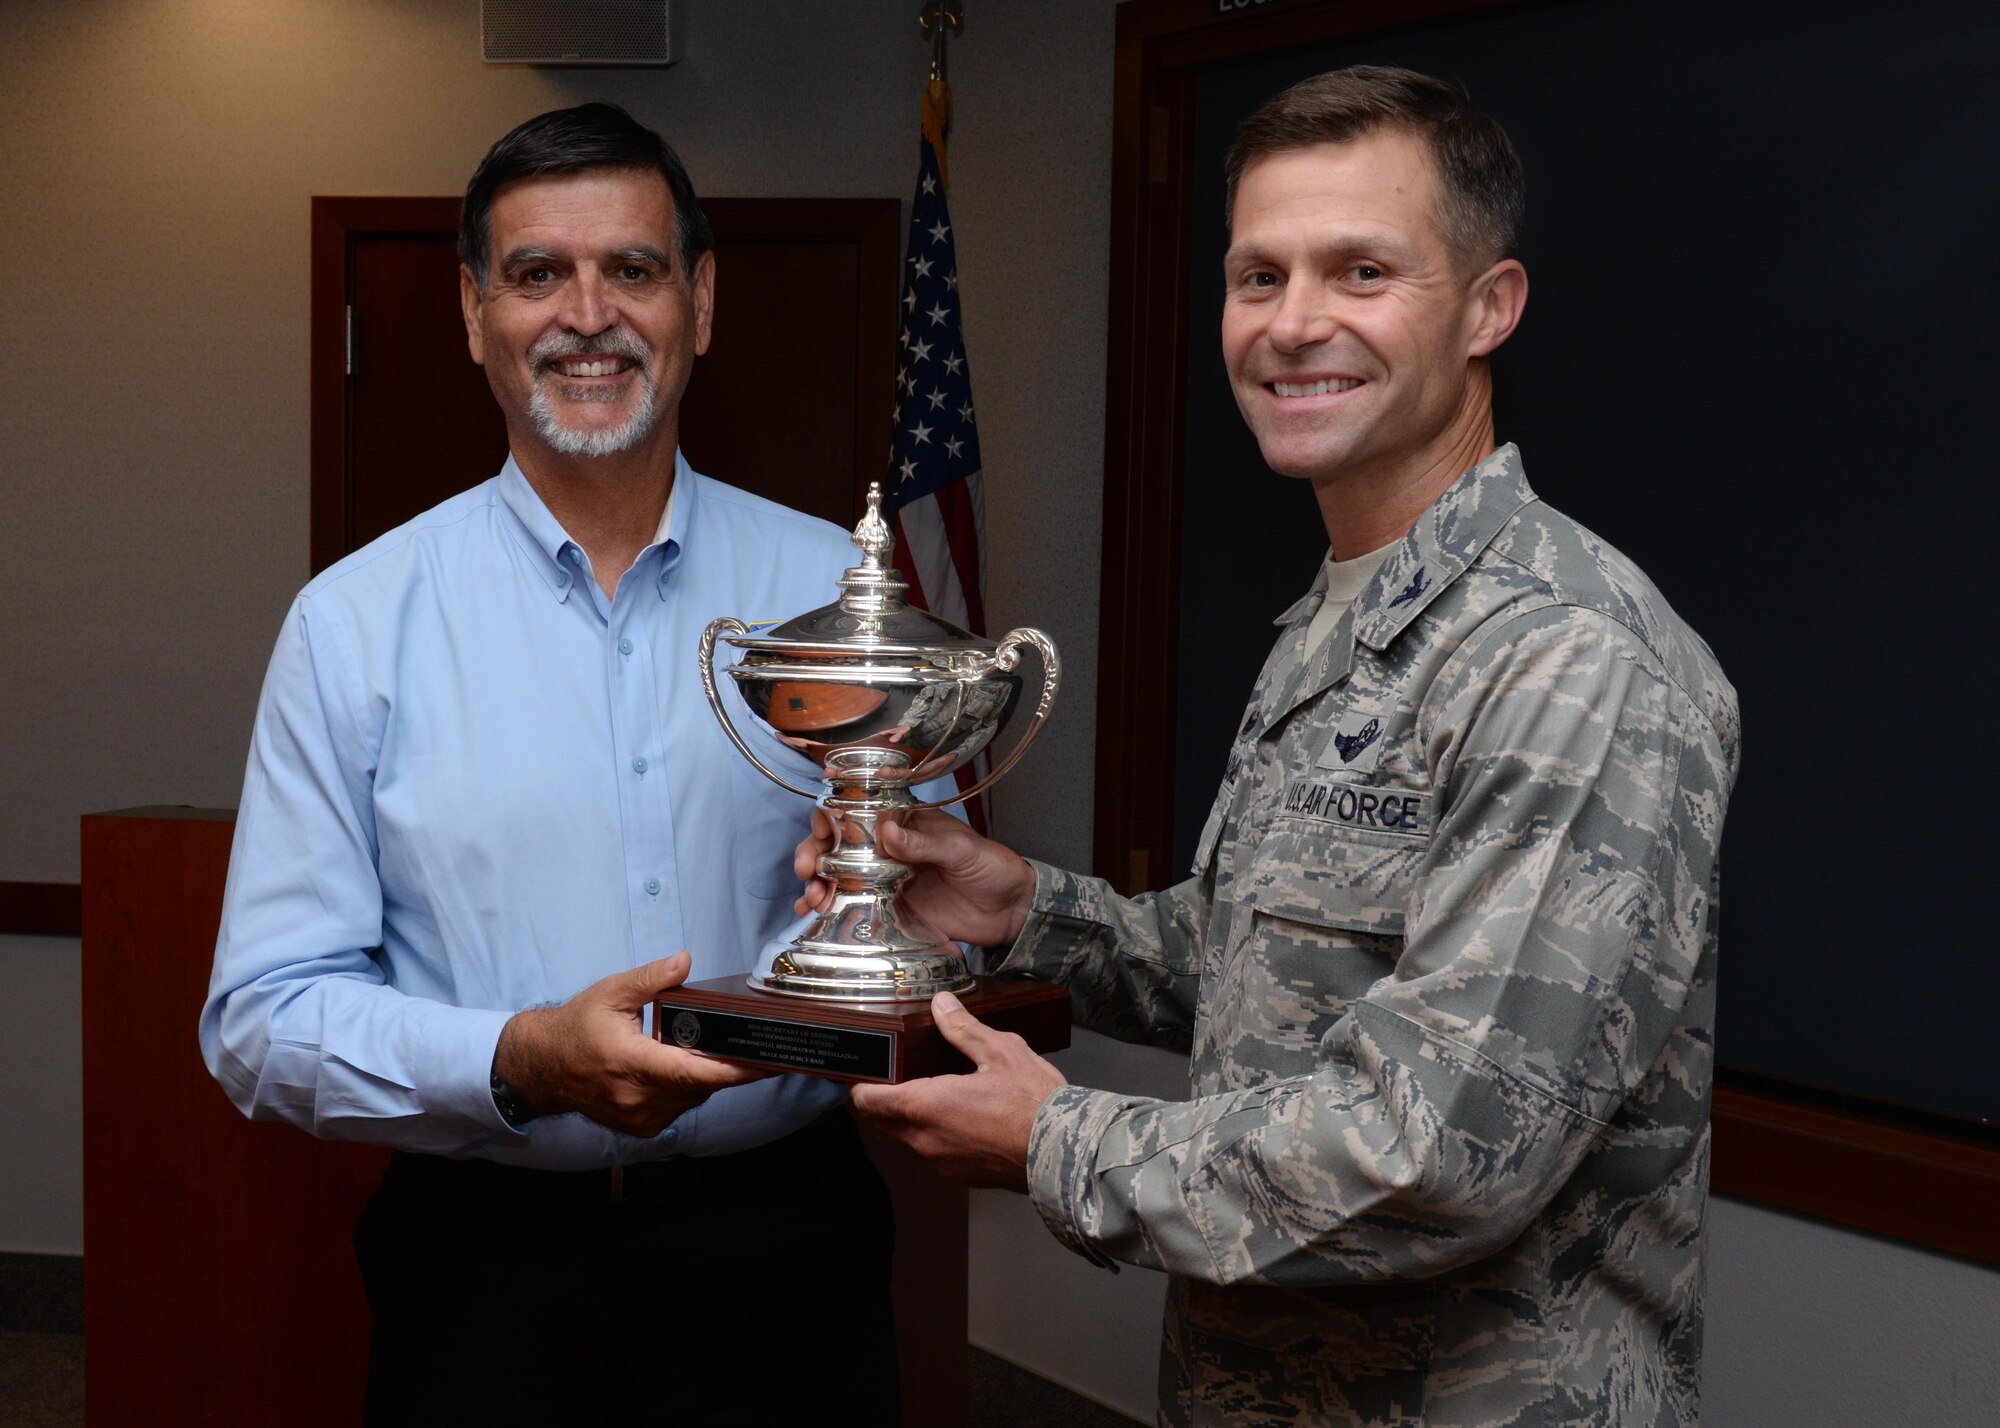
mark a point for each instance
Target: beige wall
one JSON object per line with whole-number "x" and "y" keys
{"x": 160, "y": 158}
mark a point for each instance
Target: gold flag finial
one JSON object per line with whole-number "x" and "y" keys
{"x": 938, "y": 18}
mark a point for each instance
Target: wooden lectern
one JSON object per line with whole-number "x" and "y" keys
{"x": 219, "y": 1283}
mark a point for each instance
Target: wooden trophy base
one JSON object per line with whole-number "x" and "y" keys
{"x": 883, "y": 1042}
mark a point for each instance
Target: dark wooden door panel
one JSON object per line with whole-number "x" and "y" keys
{"x": 772, "y": 406}
{"x": 792, "y": 400}
{"x": 423, "y": 424}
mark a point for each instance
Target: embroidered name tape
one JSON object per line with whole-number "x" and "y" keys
{"x": 1380, "y": 810}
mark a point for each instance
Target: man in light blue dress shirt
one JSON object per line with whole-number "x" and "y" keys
{"x": 485, "y": 800}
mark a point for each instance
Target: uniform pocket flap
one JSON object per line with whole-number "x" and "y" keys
{"x": 1310, "y": 870}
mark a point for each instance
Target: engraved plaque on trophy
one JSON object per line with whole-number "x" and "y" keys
{"x": 881, "y": 697}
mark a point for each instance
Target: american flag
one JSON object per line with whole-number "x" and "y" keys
{"x": 934, "y": 485}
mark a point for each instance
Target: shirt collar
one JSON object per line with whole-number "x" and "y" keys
{"x": 1445, "y": 540}
{"x": 558, "y": 559}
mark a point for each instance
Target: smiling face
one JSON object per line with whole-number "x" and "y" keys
{"x": 588, "y": 326}
{"x": 1348, "y": 331}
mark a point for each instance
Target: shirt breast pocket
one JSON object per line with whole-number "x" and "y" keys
{"x": 1320, "y": 918}
{"x": 1325, "y": 875}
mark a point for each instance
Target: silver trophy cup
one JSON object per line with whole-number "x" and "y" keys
{"x": 881, "y": 696}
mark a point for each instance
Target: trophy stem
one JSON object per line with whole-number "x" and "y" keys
{"x": 865, "y": 946}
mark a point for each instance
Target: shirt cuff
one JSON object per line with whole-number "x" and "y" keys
{"x": 1062, "y": 1155}
{"x": 455, "y": 1069}
{"x": 1056, "y": 914}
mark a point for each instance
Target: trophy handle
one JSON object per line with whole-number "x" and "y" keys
{"x": 1005, "y": 657}
{"x": 732, "y": 626}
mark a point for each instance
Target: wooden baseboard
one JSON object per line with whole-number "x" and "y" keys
{"x": 41, "y": 1293}
{"x": 41, "y": 909}
{"x": 1893, "y": 1172}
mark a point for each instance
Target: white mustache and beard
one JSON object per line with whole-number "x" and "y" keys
{"x": 617, "y": 341}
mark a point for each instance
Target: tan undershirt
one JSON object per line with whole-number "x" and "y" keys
{"x": 1344, "y": 580}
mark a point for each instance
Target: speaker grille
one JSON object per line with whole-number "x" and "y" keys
{"x": 577, "y": 32}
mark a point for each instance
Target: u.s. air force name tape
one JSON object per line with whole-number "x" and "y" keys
{"x": 1380, "y": 810}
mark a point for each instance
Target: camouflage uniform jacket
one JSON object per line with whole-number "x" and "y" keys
{"x": 1447, "y": 970}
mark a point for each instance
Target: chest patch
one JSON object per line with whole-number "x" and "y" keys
{"x": 1379, "y": 810}
{"x": 1356, "y": 745}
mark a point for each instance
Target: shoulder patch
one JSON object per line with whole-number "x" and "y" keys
{"x": 1356, "y": 744}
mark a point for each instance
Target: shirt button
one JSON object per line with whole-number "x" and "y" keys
{"x": 638, "y": 766}
{"x": 624, "y": 647}
{"x": 572, "y": 555}
{"x": 653, "y": 886}
{"x": 673, "y": 1133}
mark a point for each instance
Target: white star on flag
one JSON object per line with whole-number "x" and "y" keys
{"x": 937, "y": 314}
{"x": 938, "y": 230}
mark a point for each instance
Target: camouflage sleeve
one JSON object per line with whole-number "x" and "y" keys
{"x": 1132, "y": 965}
{"x": 1552, "y": 933}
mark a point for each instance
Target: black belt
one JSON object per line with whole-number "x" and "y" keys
{"x": 490, "y": 1182}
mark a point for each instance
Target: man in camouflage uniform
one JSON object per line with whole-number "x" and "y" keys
{"x": 1446, "y": 963}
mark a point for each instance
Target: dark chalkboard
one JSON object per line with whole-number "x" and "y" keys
{"x": 1760, "y": 353}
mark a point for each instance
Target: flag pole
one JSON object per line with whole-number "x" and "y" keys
{"x": 937, "y": 19}
{"x": 934, "y": 487}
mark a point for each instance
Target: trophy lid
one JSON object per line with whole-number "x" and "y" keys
{"x": 871, "y": 618}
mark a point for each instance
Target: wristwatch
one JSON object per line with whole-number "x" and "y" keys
{"x": 508, "y": 1102}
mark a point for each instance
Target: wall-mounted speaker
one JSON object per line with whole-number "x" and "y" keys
{"x": 580, "y": 32}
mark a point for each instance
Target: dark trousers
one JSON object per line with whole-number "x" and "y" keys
{"x": 741, "y": 1289}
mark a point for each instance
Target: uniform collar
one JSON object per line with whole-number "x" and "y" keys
{"x": 1445, "y": 540}
{"x": 558, "y": 559}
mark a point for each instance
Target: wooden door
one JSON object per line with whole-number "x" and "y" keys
{"x": 792, "y": 400}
